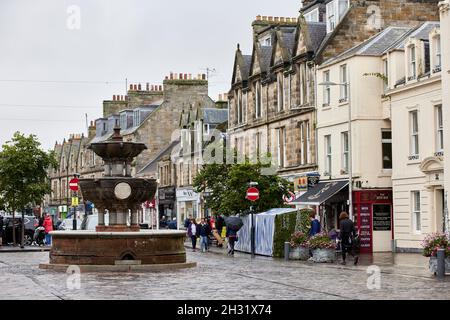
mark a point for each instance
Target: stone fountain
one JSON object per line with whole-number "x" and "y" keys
{"x": 120, "y": 245}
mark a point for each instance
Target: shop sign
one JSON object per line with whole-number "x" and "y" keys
{"x": 303, "y": 183}
{"x": 365, "y": 228}
{"x": 382, "y": 217}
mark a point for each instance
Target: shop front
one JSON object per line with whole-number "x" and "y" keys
{"x": 167, "y": 203}
{"x": 188, "y": 202}
{"x": 372, "y": 210}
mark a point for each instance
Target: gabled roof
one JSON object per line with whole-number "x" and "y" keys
{"x": 151, "y": 166}
{"x": 420, "y": 32}
{"x": 214, "y": 115}
{"x": 313, "y": 35}
{"x": 285, "y": 38}
{"x": 243, "y": 62}
{"x": 374, "y": 46}
{"x": 263, "y": 55}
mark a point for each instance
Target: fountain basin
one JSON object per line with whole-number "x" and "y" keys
{"x": 149, "y": 247}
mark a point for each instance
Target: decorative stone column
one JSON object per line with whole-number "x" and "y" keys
{"x": 112, "y": 218}
{"x": 101, "y": 218}
{"x": 134, "y": 219}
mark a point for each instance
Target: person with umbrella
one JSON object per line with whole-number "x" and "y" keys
{"x": 234, "y": 224}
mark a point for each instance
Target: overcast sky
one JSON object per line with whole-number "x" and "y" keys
{"x": 52, "y": 74}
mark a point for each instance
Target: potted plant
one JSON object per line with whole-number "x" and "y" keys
{"x": 431, "y": 244}
{"x": 323, "y": 248}
{"x": 299, "y": 248}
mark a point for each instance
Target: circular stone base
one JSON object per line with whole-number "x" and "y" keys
{"x": 149, "y": 247}
{"x": 119, "y": 268}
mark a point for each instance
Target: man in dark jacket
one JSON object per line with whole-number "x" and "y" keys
{"x": 205, "y": 230}
{"x": 315, "y": 225}
{"x": 347, "y": 235}
{"x": 232, "y": 238}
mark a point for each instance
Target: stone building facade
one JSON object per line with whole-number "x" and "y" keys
{"x": 272, "y": 98}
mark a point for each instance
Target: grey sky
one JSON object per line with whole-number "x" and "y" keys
{"x": 142, "y": 40}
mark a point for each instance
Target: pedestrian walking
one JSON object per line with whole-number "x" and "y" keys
{"x": 187, "y": 222}
{"x": 205, "y": 230}
{"x": 193, "y": 232}
{"x": 232, "y": 238}
{"x": 347, "y": 236}
{"x": 48, "y": 226}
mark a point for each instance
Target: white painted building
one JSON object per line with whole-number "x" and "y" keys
{"x": 415, "y": 99}
{"x": 363, "y": 67}
{"x": 444, "y": 7}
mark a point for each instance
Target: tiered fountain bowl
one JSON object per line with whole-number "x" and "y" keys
{"x": 120, "y": 245}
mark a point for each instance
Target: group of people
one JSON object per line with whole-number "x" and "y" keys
{"x": 347, "y": 235}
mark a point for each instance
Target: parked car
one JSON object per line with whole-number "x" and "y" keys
{"x": 92, "y": 221}
{"x": 8, "y": 229}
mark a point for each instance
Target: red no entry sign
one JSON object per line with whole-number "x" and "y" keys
{"x": 73, "y": 184}
{"x": 252, "y": 194}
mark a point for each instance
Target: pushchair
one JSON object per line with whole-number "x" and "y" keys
{"x": 39, "y": 236}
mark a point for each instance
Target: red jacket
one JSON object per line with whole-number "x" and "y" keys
{"x": 48, "y": 224}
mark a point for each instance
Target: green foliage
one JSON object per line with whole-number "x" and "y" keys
{"x": 435, "y": 241}
{"x": 379, "y": 75}
{"x": 303, "y": 221}
{"x": 23, "y": 172}
{"x": 284, "y": 228}
{"x": 227, "y": 185}
{"x": 321, "y": 241}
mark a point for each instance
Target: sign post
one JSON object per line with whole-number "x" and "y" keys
{"x": 73, "y": 185}
{"x": 252, "y": 195}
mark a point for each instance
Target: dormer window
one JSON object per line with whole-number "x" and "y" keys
{"x": 412, "y": 62}
{"x": 312, "y": 16}
{"x": 335, "y": 10}
{"x": 437, "y": 53}
{"x": 136, "y": 118}
{"x": 331, "y": 16}
{"x": 267, "y": 41}
{"x": 123, "y": 121}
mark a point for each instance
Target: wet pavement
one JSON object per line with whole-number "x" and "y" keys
{"x": 218, "y": 276}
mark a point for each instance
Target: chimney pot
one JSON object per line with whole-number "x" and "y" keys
{"x": 114, "y": 97}
{"x": 270, "y": 18}
{"x": 131, "y": 87}
{"x": 147, "y": 87}
{"x": 190, "y": 76}
{"x": 258, "y": 18}
{"x": 282, "y": 19}
{"x": 276, "y": 19}
{"x": 264, "y": 18}
{"x": 121, "y": 97}
{"x": 171, "y": 76}
{"x": 160, "y": 88}
{"x": 181, "y": 76}
{"x": 139, "y": 87}
{"x": 185, "y": 76}
{"x": 203, "y": 76}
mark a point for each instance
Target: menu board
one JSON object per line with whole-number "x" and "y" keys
{"x": 365, "y": 228}
{"x": 382, "y": 217}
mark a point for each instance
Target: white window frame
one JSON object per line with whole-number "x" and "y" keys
{"x": 345, "y": 152}
{"x": 326, "y": 89}
{"x": 302, "y": 83}
{"x": 412, "y": 63}
{"x": 258, "y": 100}
{"x": 414, "y": 132}
{"x": 302, "y": 143}
{"x": 328, "y": 155}
{"x": 308, "y": 143}
{"x": 331, "y": 15}
{"x": 244, "y": 106}
{"x": 437, "y": 52}
{"x": 386, "y": 74}
{"x": 280, "y": 92}
{"x": 439, "y": 128}
{"x": 312, "y": 16}
{"x": 343, "y": 74}
{"x": 416, "y": 205}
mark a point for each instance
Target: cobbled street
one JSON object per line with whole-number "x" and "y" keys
{"x": 219, "y": 276}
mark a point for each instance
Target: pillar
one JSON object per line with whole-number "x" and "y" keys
{"x": 101, "y": 217}
{"x": 134, "y": 218}
{"x": 112, "y": 218}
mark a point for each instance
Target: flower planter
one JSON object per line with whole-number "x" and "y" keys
{"x": 324, "y": 255}
{"x": 299, "y": 253}
{"x": 433, "y": 265}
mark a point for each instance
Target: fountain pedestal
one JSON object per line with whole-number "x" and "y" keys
{"x": 121, "y": 195}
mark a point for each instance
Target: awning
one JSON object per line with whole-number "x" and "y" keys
{"x": 320, "y": 193}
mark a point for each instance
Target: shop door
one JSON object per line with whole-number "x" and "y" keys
{"x": 382, "y": 227}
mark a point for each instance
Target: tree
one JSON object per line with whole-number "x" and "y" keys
{"x": 23, "y": 174}
{"x": 228, "y": 183}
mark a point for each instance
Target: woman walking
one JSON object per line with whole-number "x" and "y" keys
{"x": 232, "y": 238}
{"x": 347, "y": 236}
{"x": 193, "y": 231}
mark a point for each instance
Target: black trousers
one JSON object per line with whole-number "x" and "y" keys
{"x": 232, "y": 240}
{"x": 194, "y": 241}
{"x": 347, "y": 246}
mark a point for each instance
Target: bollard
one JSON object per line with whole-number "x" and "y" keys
{"x": 441, "y": 263}
{"x": 394, "y": 245}
{"x": 287, "y": 245}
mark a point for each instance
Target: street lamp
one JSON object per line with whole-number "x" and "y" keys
{"x": 350, "y": 172}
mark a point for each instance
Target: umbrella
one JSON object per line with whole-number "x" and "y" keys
{"x": 234, "y": 223}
